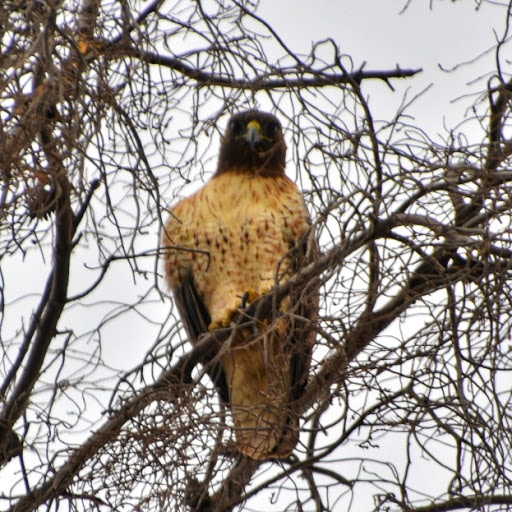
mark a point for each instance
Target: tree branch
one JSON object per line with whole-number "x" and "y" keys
{"x": 300, "y": 79}
{"x": 168, "y": 387}
{"x": 461, "y": 502}
{"x": 54, "y": 302}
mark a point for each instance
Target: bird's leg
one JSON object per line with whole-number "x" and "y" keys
{"x": 245, "y": 300}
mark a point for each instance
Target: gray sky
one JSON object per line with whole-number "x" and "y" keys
{"x": 384, "y": 35}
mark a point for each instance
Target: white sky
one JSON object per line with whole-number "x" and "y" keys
{"x": 382, "y": 35}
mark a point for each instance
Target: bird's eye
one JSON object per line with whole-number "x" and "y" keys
{"x": 272, "y": 130}
{"x": 236, "y": 127}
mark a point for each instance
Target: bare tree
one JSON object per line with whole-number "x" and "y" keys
{"x": 110, "y": 111}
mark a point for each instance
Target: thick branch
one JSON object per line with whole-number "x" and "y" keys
{"x": 230, "y": 493}
{"x": 299, "y": 79}
{"x": 46, "y": 323}
{"x": 464, "y": 502}
{"x": 497, "y": 151}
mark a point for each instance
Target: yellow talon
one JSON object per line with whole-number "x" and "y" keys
{"x": 223, "y": 321}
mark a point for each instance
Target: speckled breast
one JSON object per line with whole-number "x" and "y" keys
{"x": 235, "y": 236}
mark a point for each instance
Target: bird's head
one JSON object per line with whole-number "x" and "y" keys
{"x": 253, "y": 143}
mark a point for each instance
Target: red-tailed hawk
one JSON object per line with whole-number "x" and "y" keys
{"x": 242, "y": 233}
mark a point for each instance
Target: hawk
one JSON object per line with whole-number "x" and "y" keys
{"x": 244, "y": 232}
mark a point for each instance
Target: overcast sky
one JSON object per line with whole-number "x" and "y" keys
{"x": 383, "y": 34}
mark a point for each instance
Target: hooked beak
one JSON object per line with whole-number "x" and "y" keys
{"x": 253, "y": 134}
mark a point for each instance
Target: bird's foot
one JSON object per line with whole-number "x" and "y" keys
{"x": 224, "y": 320}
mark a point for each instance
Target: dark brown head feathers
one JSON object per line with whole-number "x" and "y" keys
{"x": 253, "y": 143}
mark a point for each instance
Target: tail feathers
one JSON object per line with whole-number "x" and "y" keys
{"x": 259, "y": 378}
{"x": 265, "y": 432}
